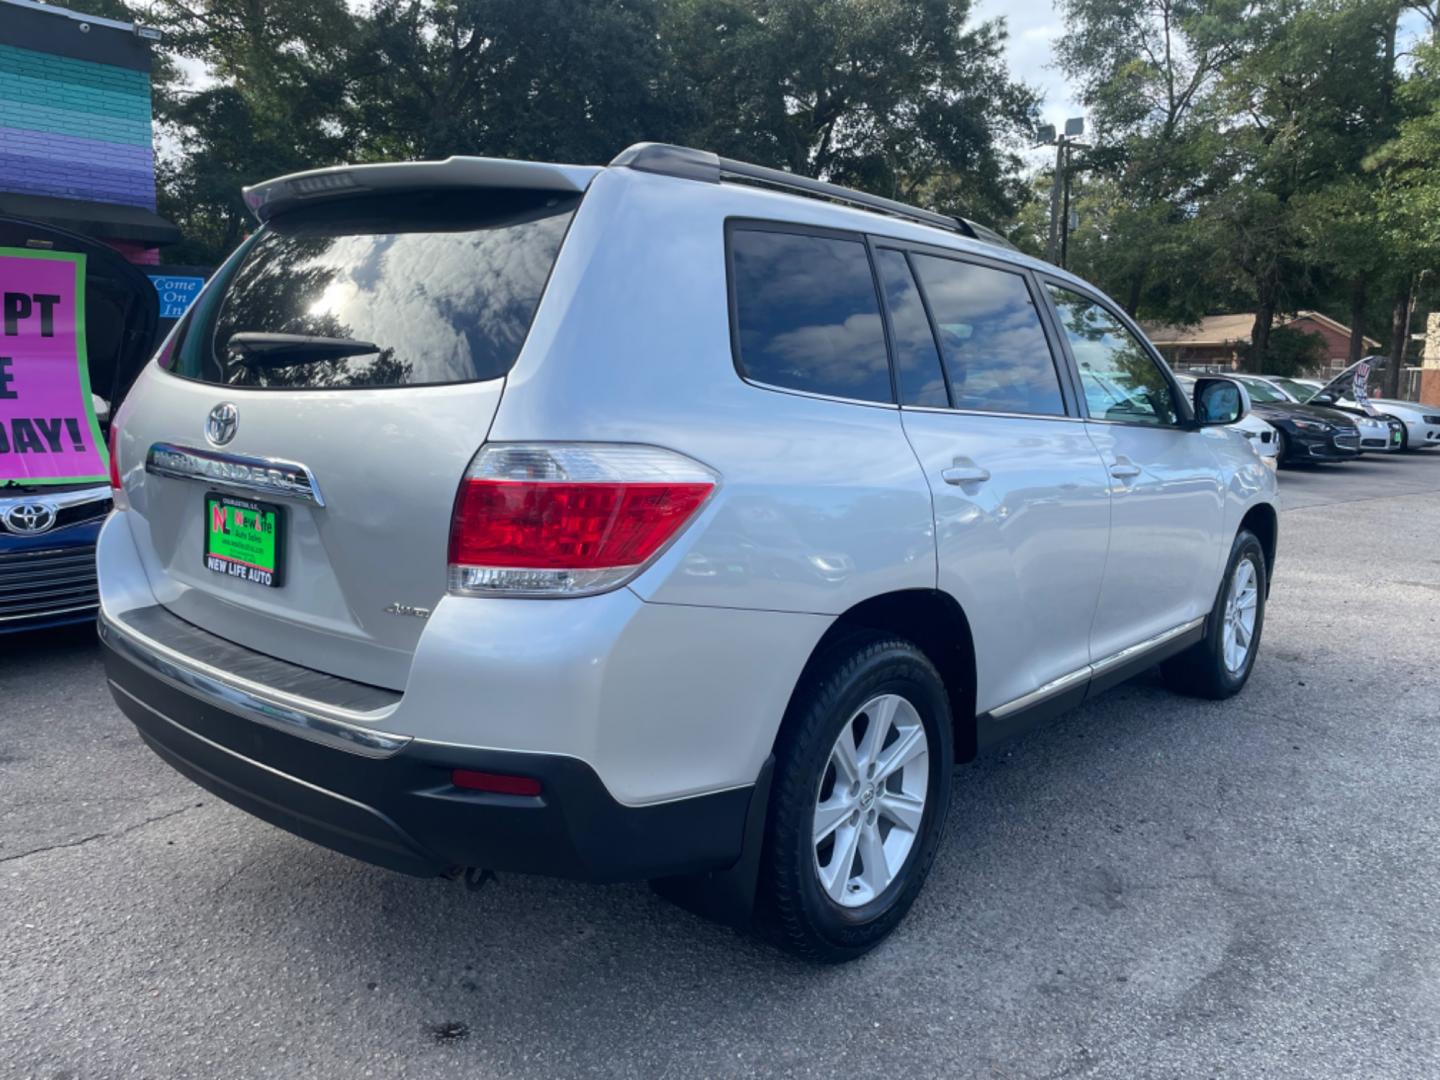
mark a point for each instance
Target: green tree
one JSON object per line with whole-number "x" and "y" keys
{"x": 904, "y": 98}
{"x": 907, "y": 98}
{"x": 1336, "y": 228}
{"x": 1409, "y": 199}
{"x": 274, "y": 99}
{"x": 1300, "y": 106}
{"x": 560, "y": 80}
{"x": 1148, "y": 71}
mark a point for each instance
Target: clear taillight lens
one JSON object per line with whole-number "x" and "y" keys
{"x": 538, "y": 519}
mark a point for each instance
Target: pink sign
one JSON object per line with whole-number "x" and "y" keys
{"x": 48, "y": 432}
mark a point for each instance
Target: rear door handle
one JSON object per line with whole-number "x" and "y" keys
{"x": 965, "y": 474}
{"x": 1124, "y": 472}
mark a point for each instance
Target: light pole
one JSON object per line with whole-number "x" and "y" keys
{"x": 1060, "y": 188}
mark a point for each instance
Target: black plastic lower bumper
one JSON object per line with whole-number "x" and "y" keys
{"x": 403, "y": 813}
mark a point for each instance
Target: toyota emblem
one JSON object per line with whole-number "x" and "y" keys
{"x": 222, "y": 423}
{"x": 30, "y": 518}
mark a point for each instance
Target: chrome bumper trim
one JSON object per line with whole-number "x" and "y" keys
{"x": 331, "y": 727}
{"x": 50, "y": 613}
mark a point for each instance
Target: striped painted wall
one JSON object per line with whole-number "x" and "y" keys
{"x": 76, "y": 129}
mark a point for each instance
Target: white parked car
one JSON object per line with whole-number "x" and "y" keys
{"x": 1261, "y": 435}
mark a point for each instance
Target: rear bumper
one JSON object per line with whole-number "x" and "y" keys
{"x": 392, "y": 803}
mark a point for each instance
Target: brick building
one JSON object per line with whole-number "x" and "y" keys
{"x": 76, "y": 144}
{"x": 1221, "y": 341}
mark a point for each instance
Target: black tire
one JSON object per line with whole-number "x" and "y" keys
{"x": 792, "y": 907}
{"x": 1282, "y": 448}
{"x": 1201, "y": 671}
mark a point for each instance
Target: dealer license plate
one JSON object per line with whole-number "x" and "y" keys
{"x": 244, "y": 539}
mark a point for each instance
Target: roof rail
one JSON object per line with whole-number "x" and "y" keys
{"x": 682, "y": 161}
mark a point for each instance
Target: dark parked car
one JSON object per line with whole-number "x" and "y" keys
{"x": 1306, "y": 432}
{"x": 47, "y": 532}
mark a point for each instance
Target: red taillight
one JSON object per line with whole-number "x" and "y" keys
{"x": 114, "y": 458}
{"x": 495, "y": 783}
{"x": 509, "y": 523}
{"x": 542, "y": 520}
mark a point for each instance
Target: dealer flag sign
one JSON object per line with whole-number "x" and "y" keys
{"x": 48, "y": 431}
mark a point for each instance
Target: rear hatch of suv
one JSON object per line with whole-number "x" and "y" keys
{"x": 309, "y": 423}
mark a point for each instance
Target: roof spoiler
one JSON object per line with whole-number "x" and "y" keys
{"x": 690, "y": 164}
{"x": 271, "y": 197}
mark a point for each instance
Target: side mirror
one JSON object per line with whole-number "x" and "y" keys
{"x": 1220, "y": 401}
{"x": 1323, "y": 399}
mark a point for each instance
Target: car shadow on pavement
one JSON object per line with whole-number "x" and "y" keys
{"x": 1034, "y": 886}
{"x": 65, "y": 643}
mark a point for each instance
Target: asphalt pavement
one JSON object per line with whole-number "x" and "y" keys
{"x": 1150, "y": 887}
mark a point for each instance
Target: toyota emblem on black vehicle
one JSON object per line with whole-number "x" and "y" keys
{"x": 222, "y": 423}
{"x": 30, "y": 519}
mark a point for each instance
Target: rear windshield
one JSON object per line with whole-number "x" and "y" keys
{"x": 414, "y": 290}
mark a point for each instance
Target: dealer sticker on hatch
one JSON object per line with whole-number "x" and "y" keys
{"x": 243, "y": 539}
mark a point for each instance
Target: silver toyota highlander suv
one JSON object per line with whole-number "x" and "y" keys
{"x": 679, "y": 520}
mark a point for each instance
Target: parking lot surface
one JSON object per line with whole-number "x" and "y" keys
{"x": 1150, "y": 887}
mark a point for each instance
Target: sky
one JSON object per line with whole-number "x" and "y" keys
{"x": 1034, "y": 27}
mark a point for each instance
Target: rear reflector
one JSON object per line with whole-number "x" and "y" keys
{"x": 114, "y": 460}
{"x": 495, "y": 783}
{"x": 568, "y": 520}
{"x": 118, "y": 498}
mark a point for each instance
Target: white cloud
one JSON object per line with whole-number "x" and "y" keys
{"x": 1035, "y": 27}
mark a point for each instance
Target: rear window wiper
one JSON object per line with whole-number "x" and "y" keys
{"x": 258, "y": 349}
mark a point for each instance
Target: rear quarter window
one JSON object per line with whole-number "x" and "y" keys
{"x": 807, "y": 316}
{"x": 444, "y": 286}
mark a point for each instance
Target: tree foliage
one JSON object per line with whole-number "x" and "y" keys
{"x": 1243, "y": 143}
{"x": 899, "y": 97}
{"x": 909, "y": 98}
{"x": 1261, "y": 155}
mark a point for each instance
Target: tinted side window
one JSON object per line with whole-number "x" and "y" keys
{"x": 1120, "y": 379}
{"x": 807, "y": 316}
{"x": 917, "y": 363}
{"x": 991, "y": 338}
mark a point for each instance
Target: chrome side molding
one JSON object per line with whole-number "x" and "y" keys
{"x": 262, "y": 476}
{"x": 1090, "y": 671}
{"x": 1099, "y": 667}
{"x": 1042, "y": 693}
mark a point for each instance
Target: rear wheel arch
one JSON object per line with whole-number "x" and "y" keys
{"x": 937, "y": 625}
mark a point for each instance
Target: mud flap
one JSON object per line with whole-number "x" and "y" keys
{"x": 728, "y": 896}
